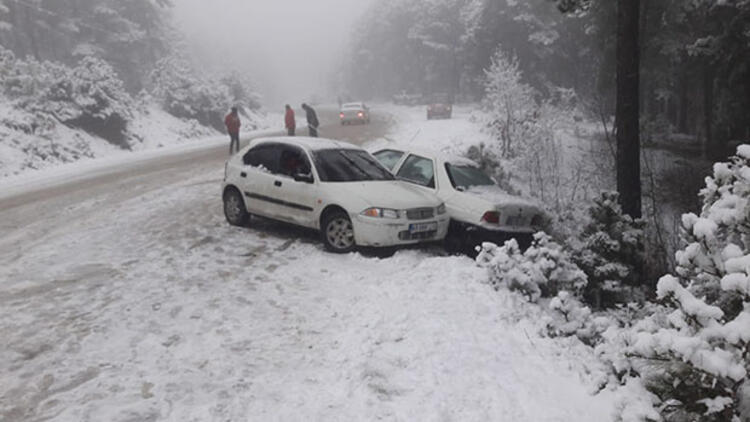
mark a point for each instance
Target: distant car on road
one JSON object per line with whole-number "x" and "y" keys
{"x": 354, "y": 113}
{"x": 440, "y": 106}
{"x": 332, "y": 186}
{"x": 480, "y": 211}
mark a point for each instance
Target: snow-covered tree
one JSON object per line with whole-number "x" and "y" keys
{"x": 544, "y": 269}
{"x": 611, "y": 253}
{"x": 510, "y": 103}
{"x": 698, "y": 357}
{"x": 185, "y": 93}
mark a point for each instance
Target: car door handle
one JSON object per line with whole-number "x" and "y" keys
{"x": 277, "y": 183}
{"x": 243, "y": 174}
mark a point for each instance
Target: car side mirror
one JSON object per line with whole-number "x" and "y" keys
{"x": 302, "y": 177}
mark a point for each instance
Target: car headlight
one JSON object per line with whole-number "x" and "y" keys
{"x": 441, "y": 209}
{"x": 380, "y": 213}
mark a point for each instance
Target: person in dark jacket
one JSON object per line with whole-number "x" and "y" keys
{"x": 289, "y": 121}
{"x": 312, "y": 120}
{"x": 232, "y": 122}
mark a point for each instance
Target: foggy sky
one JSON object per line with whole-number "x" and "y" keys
{"x": 290, "y": 47}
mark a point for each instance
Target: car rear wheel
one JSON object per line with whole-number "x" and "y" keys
{"x": 338, "y": 233}
{"x": 234, "y": 208}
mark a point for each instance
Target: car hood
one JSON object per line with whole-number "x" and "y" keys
{"x": 393, "y": 194}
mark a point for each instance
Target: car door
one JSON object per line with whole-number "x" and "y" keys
{"x": 419, "y": 171}
{"x": 260, "y": 164}
{"x": 295, "y": 198}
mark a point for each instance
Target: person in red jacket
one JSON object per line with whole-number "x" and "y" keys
{"x": 232, "y": 122}
{"x": 289, "y": 121}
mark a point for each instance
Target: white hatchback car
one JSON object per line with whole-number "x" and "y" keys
{"x": 479, "y": 209}
{"x": 332, "y": 186}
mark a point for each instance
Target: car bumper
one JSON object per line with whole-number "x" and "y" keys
{"x": 379, "y": 232}
{"x": 356, "y": 119}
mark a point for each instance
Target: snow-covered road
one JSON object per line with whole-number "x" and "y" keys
{"x": 144, "y": 305}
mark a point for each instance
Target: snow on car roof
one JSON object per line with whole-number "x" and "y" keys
{"x": 441, "y": 156}
{"x": 352, "y": 105}
{"x": 306, "y": 142}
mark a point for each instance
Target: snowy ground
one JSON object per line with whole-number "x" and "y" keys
{"x": 150, "y": 307}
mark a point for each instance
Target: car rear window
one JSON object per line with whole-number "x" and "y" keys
{"x": 465, "y": 176}
{"x": 348, "y": 165}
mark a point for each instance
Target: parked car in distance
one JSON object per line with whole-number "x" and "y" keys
{"x": 440, "y": 106}
{"x": 354, "y": 113}
{"x": 332, "y": 186}
{"x": 480, "y": 211}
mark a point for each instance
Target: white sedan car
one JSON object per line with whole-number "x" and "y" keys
{"x": 332, "y": 186}
{"x": 479, "y": 209}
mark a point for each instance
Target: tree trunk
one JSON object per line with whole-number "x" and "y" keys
{"x": 682, "y": 125}
{"x": 708, "y": 114}
{"x": 627, "y": 113}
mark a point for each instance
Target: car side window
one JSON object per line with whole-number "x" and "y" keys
{"x": 293, "y": 161}
{"x": 389, "y": 158}
{"x": 264, "y": 156}
{"x": 418, "y": 170}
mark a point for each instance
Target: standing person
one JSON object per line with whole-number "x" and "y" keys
{"x": 232, "y": 122}
{"x": 289, "y": 121}
{"x": 312, "y": 120}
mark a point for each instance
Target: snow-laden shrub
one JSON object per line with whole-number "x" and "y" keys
{"x": 544, "y": 269}
{"x": 490, "y": 163}
{"x": 186, "y": 93}
{"x": 611, "y": 254}
{"x": 89, "y": 96}
{"x": 699, "y": 353}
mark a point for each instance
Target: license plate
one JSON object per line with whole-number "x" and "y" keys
{"x": 515, "y": 220}
{"x": 422, "y": 227}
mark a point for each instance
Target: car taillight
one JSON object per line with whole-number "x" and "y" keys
{"x": 360, "y": 114}
{"x": 341, "y": 115}
{"x": 492, "y": 217}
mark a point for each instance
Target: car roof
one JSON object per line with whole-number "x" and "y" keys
{"x": 440, "y": 156}
{"x": 347, "y": 105}
{"x": 308, "y": 143}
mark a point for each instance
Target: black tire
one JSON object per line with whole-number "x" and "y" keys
{"x": 337, "y": 233}
{"x": 455, "y": 240}
{"x": 234, "y": 208}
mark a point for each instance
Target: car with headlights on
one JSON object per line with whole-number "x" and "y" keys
{"x": 331, "y": 186}
{"x": 479, "y": 209}
{"x": 354, "y": 113}
{"x": 440, "y": 106}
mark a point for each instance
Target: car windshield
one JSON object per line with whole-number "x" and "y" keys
{"x": 466, "y": 176}
{"x": 348, "y": 165}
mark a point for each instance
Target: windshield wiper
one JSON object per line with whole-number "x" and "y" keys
{"x": 385, "y": 173}
{"x": 367, "y": 175}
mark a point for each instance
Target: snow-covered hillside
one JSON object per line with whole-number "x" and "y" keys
{"x": 25, "y": 148}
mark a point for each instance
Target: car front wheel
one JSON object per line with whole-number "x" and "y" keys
{"x": 234, "y": 208}
{"x": 338, "y": 233}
